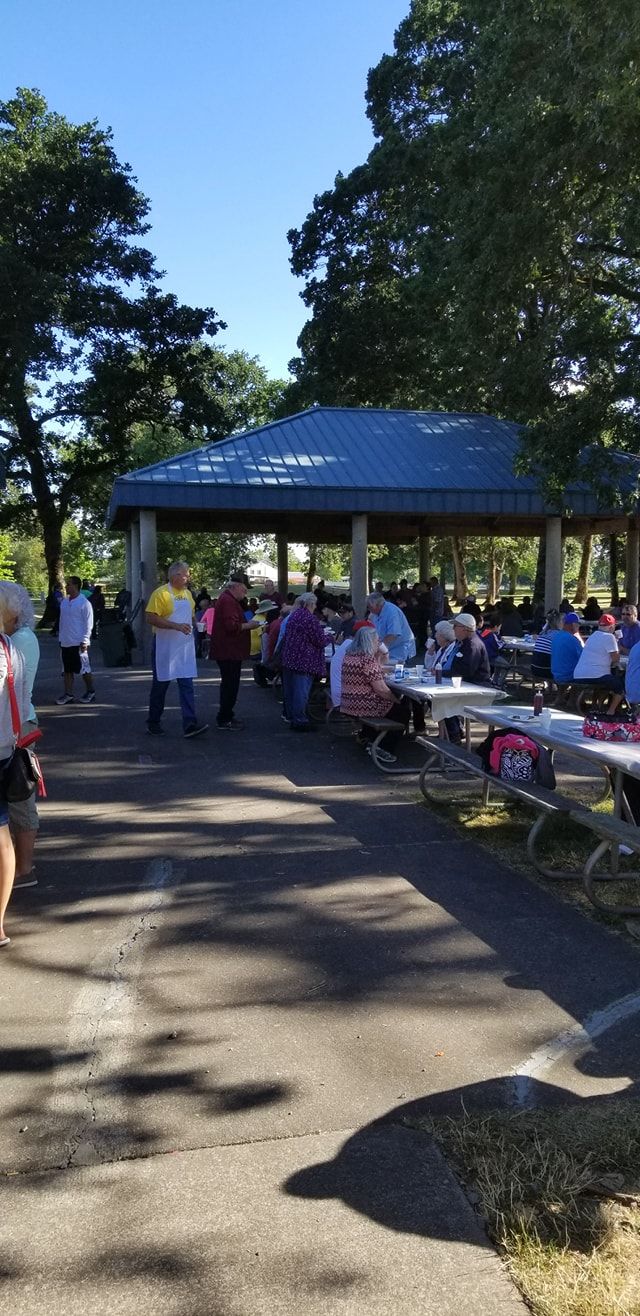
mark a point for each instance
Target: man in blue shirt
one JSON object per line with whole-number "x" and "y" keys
{"x": 630, "y": 628}
{"x": 632, "y": 676}
{"x": 392, "y": 627}
{"x": 566, "y": 647}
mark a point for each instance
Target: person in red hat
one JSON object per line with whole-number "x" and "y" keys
{"x": 598, "y": 660}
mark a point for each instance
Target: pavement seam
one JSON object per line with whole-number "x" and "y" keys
{"x": 186, "y": 1151}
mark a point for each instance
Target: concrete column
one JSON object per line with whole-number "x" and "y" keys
{"x": 633, "y": 565}
{"x": 553, "y": 566}
{"x": 359, "y": 562}
{"x": 282, "y": 549}
{"x": 148, "y": 552}
{"x": 138, "y": 622}
{"x": 128, "y": 560}
{"x": 424, "y": 558}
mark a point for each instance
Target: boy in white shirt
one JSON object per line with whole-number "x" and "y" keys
{"x": 74, "y": 634}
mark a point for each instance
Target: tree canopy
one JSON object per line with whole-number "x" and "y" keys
{"x": 93, "y": 353}
{"x": 486, "y": 256}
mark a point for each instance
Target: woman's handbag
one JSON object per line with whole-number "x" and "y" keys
{"x": 23, "y": 774}
{"x": 623, "y": 728}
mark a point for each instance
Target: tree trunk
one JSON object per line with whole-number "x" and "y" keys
{"x": 313, "y": 562}
{"x": 613, "y": 570}
{"x": 460, "y": 584}
{"x": 494, "y": 573}
{"x": 539, "y": 583}
{"x": 51, "y": 514}
{"x": 582, "y": 588}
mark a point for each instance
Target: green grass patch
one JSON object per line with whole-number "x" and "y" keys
{"x": 560, "y": 1191}
{"x": 503, "y": 827}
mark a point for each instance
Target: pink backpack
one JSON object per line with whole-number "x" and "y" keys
{"x": 514, "y": 757}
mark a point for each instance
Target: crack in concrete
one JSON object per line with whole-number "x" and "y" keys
{"x": 115, "y": 1004}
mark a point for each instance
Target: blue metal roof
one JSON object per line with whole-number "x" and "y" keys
{"x": 341, "y": 459}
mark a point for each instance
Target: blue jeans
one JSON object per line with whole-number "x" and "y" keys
{"x": 159, "y": 694}
{"x": 297, "y": 688}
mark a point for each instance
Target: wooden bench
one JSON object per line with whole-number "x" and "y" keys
{"x": 547, "y": 804}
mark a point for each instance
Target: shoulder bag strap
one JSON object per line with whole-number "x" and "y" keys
{"x": 15, "y": 715}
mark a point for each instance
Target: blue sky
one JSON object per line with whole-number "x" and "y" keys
{"x": 232, "y": 115}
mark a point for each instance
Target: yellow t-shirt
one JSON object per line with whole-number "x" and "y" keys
{"x": 161, "y": 601}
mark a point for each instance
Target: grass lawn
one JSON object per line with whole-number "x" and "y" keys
{"x": 560, "y": 1191}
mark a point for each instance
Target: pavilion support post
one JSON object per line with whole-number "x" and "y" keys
{"x": 148, "y": 570}
{"x": 424, "y": 558}
{"x": 282, "y": 549}
{"x": 148, "y": 552}
{"x": 136, "y": 590}
{"x": 359, "y": 562}
{"x": 128, "y": 560}
{"x": 553, "y": 563}
{"x": 633, "y": 565}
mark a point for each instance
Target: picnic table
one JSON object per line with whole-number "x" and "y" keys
{"x": 447, "y": 699}
{"x": 563, "y": 732}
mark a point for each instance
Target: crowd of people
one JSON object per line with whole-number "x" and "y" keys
{"x": 294, "y": 642}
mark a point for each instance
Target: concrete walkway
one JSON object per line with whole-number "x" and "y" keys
{"x": 249, "y": 959}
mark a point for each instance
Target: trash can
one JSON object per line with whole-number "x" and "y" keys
{"x": 113, "y": 644}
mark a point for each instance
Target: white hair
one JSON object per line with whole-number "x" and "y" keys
{"x": 303, "y": 600}
{"x": 445, "y": 628}
{"x": 15, "y": 602}
{"x": 177, "y": 566}
{"x": 364, "y": 641}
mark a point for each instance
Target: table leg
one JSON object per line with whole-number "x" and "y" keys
{"x": 618, "y": 800}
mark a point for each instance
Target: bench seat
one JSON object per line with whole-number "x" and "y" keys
{"x": 612, "y": 832}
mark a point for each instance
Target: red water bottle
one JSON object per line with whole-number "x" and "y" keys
{"x": 438, "y": 673}
{"x": 538, "y": 701}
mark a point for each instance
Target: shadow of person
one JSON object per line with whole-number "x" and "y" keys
{"x": 392, "y": 1172}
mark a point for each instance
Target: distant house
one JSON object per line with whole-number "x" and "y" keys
{"x": 260, "y": 571}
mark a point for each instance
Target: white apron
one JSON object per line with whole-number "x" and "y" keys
{"x": 175, "y": 652}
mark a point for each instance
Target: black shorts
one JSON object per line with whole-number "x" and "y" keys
{"x": 71, "y": 659}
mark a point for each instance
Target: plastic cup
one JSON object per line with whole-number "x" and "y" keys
{"x": 456, "y": 682}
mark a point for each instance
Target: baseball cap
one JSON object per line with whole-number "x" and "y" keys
{"x": 465, "y": 619}
{"x": 359, "y": 624}
{"x": 571, "y": 616}
{"x": 607, "y": 620}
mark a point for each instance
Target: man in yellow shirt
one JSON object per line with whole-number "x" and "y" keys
{"x": 170, "y": 613}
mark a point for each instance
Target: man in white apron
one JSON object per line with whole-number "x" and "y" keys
{"x": 170, "y": 612}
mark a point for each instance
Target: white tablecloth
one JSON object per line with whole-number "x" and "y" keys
{"x": 445, "y": 701}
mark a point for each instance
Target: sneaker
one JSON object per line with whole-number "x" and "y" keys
{"x": 154, "y": 729}
{"x": 29, "y": 879}
{"x": 383, "y": 755}
{"x": 284, "y": 718}
{"x": 195, "y": 729}
{"x": 65, "y": 699}
{"x": 89, "y": 698}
